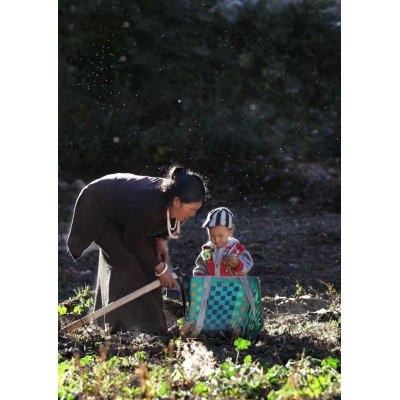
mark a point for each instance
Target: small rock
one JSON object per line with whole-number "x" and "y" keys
{"x": 306, "y": 296}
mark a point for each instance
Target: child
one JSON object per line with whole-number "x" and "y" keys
{"x": 222, "y": 255}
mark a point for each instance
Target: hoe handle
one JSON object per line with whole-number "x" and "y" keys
{"x": 112, "y": 306}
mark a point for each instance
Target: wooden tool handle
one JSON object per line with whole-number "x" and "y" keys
{"x": 112, "y": 306}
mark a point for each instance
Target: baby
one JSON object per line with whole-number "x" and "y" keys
{"x": 222, "y": 255}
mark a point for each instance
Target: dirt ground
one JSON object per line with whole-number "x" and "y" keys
{"x": 294, "y": 239}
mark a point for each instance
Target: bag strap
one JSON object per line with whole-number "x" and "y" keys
{"x": 203, "y": 307}
{"x": 250, "y": 297}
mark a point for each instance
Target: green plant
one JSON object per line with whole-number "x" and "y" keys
{"x": 108, "y": 376}
{"x": 241, "y": 344}
{"x": 309, "y": 378}
{"x": 334, "y": 297}
{"x": 94, "y": 376}
{"x": 299, "y": 289}
{"x": 82, "y": 293}
{"x": 84, "y": 299}
{"x": 62, "y": 310}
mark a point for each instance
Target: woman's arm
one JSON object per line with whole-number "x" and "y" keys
{"x": 161, "y": 249}
{"x": 139, "y": 225}
{"x": 165, "y": 276}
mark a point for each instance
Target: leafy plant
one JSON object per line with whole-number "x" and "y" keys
{"x": 62, "y": 310}
{"x": 299, "y": 289}
{"x": 241, "y": 344}
{"x": 334, "y": 296}
{"x": 109, "y": 376}
{"x": 84, "y": 299}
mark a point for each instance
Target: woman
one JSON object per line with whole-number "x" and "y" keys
{"x": 130, "y": 217}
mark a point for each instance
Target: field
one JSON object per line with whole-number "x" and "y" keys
{"x": 295, "y": 244}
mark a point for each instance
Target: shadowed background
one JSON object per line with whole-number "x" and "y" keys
{"x": 232, "y": 89}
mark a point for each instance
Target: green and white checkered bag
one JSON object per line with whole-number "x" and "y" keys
{"x": 220, "y": 305}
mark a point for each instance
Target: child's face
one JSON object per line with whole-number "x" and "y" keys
{"x": 219, "y": 235}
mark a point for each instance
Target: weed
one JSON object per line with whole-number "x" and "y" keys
{"x": 241, "y": 344}
{"x": 128, "y": 377}
{"x": 80, "y": 305}
{"x": 333, "y": 296}
{"x": 62, "y": 310}
{"x": 299, "y": 290}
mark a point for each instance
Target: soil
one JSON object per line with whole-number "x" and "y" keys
{"x": 294, "y": 238}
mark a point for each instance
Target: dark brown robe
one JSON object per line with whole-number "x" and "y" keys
{"x": 123, "y": 214}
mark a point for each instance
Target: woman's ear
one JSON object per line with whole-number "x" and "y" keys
{"x": 177, "y": 201}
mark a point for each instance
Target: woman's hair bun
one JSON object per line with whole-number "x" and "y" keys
{"x": 184, "y": 183}
{"x": 176, "y": 172}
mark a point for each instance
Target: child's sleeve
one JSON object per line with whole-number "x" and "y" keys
{"x": 200, "y": 269}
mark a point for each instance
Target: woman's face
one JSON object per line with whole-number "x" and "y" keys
{"x": 182, "y": 211}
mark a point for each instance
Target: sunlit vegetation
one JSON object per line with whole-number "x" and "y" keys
{"x": 97, "y": 376}
{"x": 137, "y": 365}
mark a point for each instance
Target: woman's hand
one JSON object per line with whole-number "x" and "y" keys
{"x": 166, "y": 279}
{"x": 161, "y": 251}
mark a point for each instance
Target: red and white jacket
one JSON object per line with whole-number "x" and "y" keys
{"x": 211, "y": 260}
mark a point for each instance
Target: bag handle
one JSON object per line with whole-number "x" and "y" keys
{"x": 203, "y": 307}
{"x": 250, "y": 297}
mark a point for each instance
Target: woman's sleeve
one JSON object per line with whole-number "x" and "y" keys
{"x": 138, "y": 227}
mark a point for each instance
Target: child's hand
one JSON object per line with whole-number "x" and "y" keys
{"x": 232, "y": 261}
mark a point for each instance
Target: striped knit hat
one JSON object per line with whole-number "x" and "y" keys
{"x": 219, "y": 216}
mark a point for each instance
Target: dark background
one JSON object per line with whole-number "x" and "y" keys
{"x": 233, "y": 90}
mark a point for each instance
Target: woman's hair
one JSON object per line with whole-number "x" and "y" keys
{"x": 180, "y": 182}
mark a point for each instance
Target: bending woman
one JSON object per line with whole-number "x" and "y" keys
{"x": 130, "y": 217}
